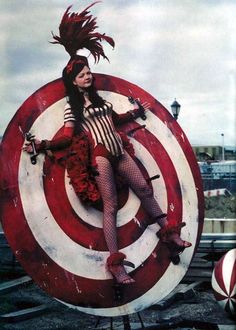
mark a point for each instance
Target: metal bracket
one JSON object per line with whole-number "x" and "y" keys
{"x": 33, "y": 156}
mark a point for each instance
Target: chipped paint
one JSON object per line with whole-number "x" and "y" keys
{"x": 137, "y": 222}
{"x": 77, "y": 288}
{"x": 154, "y": 255}
{"x": 15, "y": 201}
{"x": 20, "y": 129}
{"x": 101, "y": 295}
{"x": 65, "y": 241}
{"x": 172, "y": 207}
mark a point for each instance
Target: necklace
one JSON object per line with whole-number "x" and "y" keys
{"x": 85, "y": 94}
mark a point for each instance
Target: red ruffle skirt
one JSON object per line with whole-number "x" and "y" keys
{"x": 81, "y": 167}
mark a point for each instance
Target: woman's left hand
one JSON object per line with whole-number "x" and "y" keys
{"x": 140, "y": 109}
{"x": 28, "y": 147}
{"x": 145, "y": 106}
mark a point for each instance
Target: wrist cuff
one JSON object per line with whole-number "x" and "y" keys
{"x": 44, "y": 145}
{"x": 132, "y": 113}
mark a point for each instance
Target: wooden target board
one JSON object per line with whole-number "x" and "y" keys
{"x": 59, "y": 241}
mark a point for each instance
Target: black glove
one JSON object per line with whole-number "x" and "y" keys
{"x": 140, "y": 112}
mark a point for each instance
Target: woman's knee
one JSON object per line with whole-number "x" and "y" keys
{"x": 110, "y": 207}
{"x": 144, "y": 191}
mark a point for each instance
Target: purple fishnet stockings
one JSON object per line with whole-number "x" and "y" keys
{"x": 106, "y": 184}
{"x": 131, "y": 172}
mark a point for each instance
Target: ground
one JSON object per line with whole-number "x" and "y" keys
{"x": 199, "y": 306}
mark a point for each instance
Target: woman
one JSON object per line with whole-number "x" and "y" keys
{"x": 89, "y": 118}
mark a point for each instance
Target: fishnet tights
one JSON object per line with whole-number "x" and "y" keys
{"x": 131, "y": 172}
{"x": 106, "y": 184}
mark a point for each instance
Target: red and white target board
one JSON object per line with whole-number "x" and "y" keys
{"x": 59, "y": 241}
{"x": 224, "y": 282}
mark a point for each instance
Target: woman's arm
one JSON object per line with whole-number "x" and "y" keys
{"x": 60, "y": 142}
{"x": 119, "y": 119}
{"x": 56, "y": 144}
{"x": 137, "y": 111}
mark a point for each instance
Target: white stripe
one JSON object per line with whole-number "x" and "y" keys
{"x": 231, "y": 306}
{"x": 216, "y": 286}
{"x": 111, "y": 136}
{"x": 102, "y": 133}
{"x": 159, "y": 291}
{"x": 223, "y": 302}
{"x": 129, "y": 210}
{"x": 111, "y": 144}
{"x": 65, "y": 252}
{"x": 227, "y": 268}
{"x": 49, "y": 235}
{"x": 68, "y": 114}
{"x": 93, "y": 128}
{"x": 69, "y": 119}
{"x": 68, "y": 110}
{"x": 61, "y": 247}
{"x": 102, "y": 129}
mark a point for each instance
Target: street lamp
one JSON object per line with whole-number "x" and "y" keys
{"x": 175, "y": 108}
{"x": 223, "y": 147}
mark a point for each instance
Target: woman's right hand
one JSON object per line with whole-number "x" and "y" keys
{"x": 28, "y": 147}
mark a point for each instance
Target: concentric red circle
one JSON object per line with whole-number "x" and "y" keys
{"x": 95, "y": 294}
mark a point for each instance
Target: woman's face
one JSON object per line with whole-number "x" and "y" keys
{"x": 84, "y": 78}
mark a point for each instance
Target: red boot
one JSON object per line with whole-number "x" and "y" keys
{"x": 115, "y": 265}
{"x": 169, "y": 235}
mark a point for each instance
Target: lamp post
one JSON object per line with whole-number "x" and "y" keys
{"x": 175, "y": 108}
{"x": 223, "y": 147}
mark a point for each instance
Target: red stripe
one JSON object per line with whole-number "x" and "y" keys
{"x": 231, "y": 307}
{"x": 85, "y": 234}
{"x": 111, "y": 83}
{"x": 218, "y": 270}
{"x": 233, "y": 279}
{"x": 63, "y": 285}
{"x": 219, "y": 297}
{"x": 46, "y": 273}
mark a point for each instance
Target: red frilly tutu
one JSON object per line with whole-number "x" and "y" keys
{"x": 81, "y": 167}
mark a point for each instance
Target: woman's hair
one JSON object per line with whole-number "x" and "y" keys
{"x": 75, "y": 97}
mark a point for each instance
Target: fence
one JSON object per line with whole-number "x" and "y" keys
{"x": 219, "y": 175}
{"x": 210, "y": 183}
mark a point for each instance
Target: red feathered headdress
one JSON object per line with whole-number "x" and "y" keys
{"x": 77, "y": 32}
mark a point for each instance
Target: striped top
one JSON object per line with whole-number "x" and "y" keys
{"x": 98, "y": 122}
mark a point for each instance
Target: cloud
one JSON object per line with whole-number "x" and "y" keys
{"x": 172, "y": 48}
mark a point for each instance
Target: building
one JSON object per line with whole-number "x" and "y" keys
{"x": 214, "y": 153}
{"x": 219, "y": 175}
{"x": 216, "y": 172}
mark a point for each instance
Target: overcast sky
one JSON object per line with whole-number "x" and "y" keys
{"x": 183, "y": 49}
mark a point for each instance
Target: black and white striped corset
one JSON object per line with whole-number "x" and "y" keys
{"x": 98, "y": 122}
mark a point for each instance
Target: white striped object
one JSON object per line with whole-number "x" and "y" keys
{"x": 217, "y": 192}
{"x": 224, "y": 282}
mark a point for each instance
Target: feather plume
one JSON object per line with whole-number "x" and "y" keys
{"x": 77, "y": 31}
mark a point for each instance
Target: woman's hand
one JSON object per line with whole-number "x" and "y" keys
{"x": 144, "y": 105}
{"x": 140, "y": 109}
{"x": 28, "y": 147}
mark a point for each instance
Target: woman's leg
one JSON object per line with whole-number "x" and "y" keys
{"x": 130, "y": 170}
{"x": 134, "y": 177}
{"x": 106, "y": 185}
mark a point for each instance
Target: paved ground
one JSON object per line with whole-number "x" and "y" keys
{"x": 199, "y": 307}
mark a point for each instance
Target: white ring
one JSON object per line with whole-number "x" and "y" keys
{"x": 53, "y": 240}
